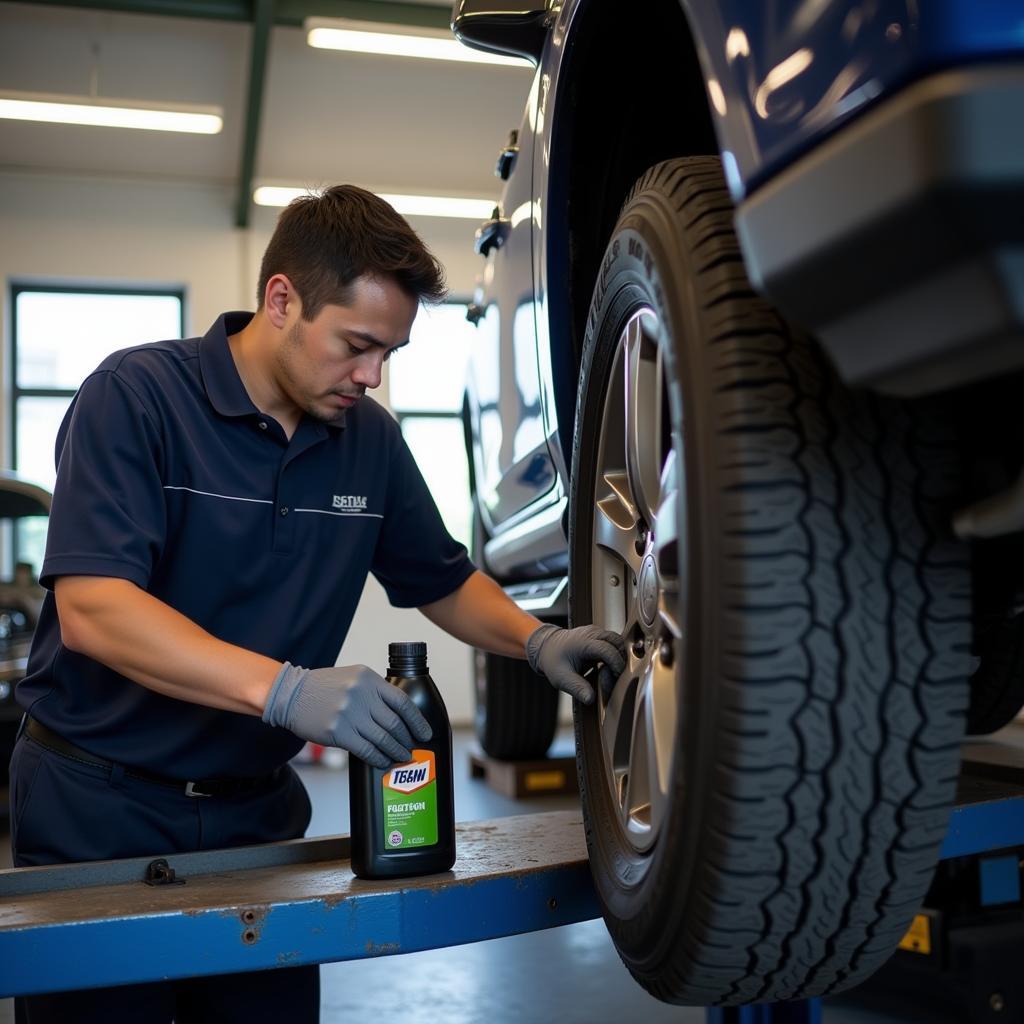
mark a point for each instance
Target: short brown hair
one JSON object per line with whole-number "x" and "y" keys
{"x": 322, "y": 243}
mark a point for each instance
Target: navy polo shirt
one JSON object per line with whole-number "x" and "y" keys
{"x": 169, "y": 476}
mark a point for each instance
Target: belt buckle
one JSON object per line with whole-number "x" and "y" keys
{"x": 190, "y": 790}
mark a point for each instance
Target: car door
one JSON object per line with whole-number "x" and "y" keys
{"x": 513, "y": 467}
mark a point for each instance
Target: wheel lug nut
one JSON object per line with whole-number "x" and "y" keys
{"x": 638, "y": 648}
{"x": 665, "y": 653}
{"x": 641, "y": 541}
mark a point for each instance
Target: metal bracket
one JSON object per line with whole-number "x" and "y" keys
{"x": 159, "y": 872}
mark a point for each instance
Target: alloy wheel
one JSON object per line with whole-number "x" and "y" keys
{"x": 637, "y": 561}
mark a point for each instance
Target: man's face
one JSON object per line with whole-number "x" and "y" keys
{"x": 326, "y": 365}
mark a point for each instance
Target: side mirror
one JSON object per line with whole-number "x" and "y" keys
{"x": 514, "y": 27}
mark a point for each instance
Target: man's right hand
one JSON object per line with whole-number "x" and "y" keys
{"x": 348, "y": 706}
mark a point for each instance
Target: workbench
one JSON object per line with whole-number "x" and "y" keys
{"x": 285, "y": 904}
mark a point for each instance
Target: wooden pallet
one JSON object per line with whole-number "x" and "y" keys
{"x": 550, "y": 776}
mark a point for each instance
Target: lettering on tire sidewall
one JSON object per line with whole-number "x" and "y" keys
{"x": 637, "y": 250}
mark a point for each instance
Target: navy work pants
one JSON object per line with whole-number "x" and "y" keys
{"x": 64, "y": 810}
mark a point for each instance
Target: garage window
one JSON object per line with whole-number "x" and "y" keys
{"x": 59, "y": 335}
{"x": 426, "y": 382}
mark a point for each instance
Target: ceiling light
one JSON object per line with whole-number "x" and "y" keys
{"x": 157, "y": 117}
{"x": 407, "y": 205}
{"x": 398, "y": 41}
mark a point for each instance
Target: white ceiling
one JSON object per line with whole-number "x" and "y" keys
{"x": 387, "y": 123}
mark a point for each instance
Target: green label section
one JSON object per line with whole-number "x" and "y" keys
{"x": 410, "y": 819}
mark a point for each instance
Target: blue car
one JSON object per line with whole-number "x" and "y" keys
{"x": 745, "y": 388}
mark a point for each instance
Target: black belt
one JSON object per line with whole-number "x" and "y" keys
{"x": 204, "y": 787}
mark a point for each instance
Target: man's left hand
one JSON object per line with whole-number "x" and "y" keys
{"x": 562, "y": 655}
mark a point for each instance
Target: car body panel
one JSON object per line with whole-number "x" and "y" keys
{"x": 785, "y": 74}
{"x": 781, "y": 78}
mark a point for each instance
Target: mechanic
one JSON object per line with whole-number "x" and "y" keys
{"x": 219, "y": 503}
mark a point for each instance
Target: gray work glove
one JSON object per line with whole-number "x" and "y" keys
{"x": 348, "y": 706}
{"x": 562, "y": 655}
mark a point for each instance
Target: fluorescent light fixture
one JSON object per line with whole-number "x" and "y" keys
{"x": 407, "y": 205}
{"x": 108, "y": 113}
{"x": 398, "y": 41}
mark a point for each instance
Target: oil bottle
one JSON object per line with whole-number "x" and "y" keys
{"x": 403, "y": 817}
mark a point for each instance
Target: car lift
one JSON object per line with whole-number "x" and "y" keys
{"x": 284, "y": 904}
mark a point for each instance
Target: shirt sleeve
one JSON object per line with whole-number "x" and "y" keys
{"x": 108, "y": 516}
{"x": 416, "y": 560}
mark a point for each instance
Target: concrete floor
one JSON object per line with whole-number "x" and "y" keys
{"x": 569, "y": 975}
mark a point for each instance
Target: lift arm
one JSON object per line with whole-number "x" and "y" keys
{"x": 281, "y": 905}
{"x": 285, "y": 904}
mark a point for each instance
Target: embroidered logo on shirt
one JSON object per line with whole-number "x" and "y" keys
{"x": 350, "y": 502}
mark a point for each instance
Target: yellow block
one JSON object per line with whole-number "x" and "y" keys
{"x": 544, "y": 780}
{"x": 919, "y": 936}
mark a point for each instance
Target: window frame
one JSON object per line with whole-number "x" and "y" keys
{"x": 431, "y": 414}
{"x": 16, "y": 392}
{"x": 20, "y": 287}
{"x": 435, "y": 414}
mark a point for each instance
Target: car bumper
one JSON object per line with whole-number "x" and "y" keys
{"x": 900, "y": 242}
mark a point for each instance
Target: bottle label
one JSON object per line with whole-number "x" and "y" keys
{"x": 410, "y": 803}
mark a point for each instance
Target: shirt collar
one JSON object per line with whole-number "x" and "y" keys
{"x": 224, "y": 387}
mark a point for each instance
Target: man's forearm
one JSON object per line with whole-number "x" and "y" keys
{"x": 120, "y": 625}
{"x": 482, "y": 615}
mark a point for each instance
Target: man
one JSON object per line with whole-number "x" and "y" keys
{"x": 219, "y": 502}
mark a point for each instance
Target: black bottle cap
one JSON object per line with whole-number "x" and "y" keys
{"x": 407, "y": 650}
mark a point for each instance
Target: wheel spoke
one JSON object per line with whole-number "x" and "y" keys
{"x": 666, "y": 535}
{"x": 663, "y": 702}
{"x": 669, "y": 547}
{"x": 616, "y": 722}
{"x": 643, "y": 377}
{"x": 615, "y": 530}
{"x": 615, "y": 562}
{"x": 668, "y": 614}
{"x": 642, "y": 781}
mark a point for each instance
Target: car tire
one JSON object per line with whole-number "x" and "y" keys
{"x": 767, "y": 786}
{"x": 997, "y": 687}
{"x": 516, "y": 710}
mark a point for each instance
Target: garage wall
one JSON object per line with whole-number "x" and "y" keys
{"x": 78, "y": 230}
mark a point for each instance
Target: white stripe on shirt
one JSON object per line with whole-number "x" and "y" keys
{"x": 226, "y": 497}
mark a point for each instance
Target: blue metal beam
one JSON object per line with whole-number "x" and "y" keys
{"x": 122, "y": 950}
{"x": 980, "y": 827}
{"x": 802, "y": 1011}
{"x": 84, "y": 925}
{"x": 514, "y": 875}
